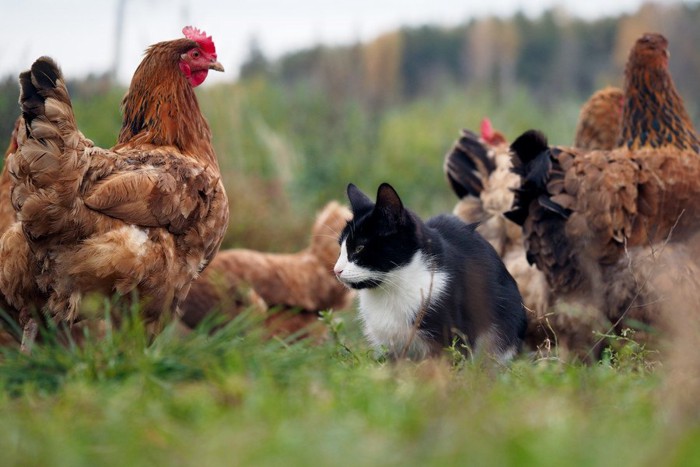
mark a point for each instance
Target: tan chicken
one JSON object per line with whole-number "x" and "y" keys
{"x": 585, "y": 214}
{"x": 600, "y": 120}
{"x": 143, "y": 218}
{"x": 289, "y": 288}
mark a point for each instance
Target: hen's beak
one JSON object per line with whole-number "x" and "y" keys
{"x": 216, "y": 66}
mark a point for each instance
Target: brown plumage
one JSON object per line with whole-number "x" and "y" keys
{"x": 655, "y": 284}
{"x": 600, "y": 120}
{"x": 7, "y": 217}
{"x": 654, "y": 115}
{"x": 144, "y": 217}
{"x": 293, "y": 286}
{"x": 581, "y": 211}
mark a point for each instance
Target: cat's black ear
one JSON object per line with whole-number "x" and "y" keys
{"x": 359, "y": 202}
{"x": 390, "y": 205}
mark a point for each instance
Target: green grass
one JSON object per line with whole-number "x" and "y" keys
{"x": 234, "y": 399}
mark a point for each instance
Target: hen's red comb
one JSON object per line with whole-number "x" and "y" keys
{"x": 486, "y": 129}
{"x": 200, "y": 37}
{"x": 490, "y": 135}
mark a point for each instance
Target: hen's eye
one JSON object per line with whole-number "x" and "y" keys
{"x": 358, "y": 248}
{"x": 195, "y": 54}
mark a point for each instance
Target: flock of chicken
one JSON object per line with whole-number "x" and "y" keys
{"x": 593, "y": 234}
{"x": 601, "y": 235}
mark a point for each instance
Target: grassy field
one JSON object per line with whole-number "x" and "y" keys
{"x": 233, "y": 398}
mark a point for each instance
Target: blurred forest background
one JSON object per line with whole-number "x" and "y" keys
{"x": 292, "y": 132}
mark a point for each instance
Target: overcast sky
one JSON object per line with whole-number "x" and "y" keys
{"x": 80, "y": 35}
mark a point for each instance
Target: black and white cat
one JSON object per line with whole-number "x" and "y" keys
{"x": 422, "y": 285}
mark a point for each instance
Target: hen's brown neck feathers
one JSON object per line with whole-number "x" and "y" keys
{"x": 654, "y": 114}
{"x": 161, "y": 107}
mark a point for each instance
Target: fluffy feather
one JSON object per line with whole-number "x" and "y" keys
{"x": 294, "y": 286}
{"x": 142, "y": 218}
{"x": 600, "y": 120}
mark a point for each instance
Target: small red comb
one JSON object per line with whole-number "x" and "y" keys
{"x": 486, "y": 129}
{"x": 200, "y": 37}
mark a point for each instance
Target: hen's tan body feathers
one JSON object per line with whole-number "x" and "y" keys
{"x": 600, "y": 120}
{"x": 303, "y": 281}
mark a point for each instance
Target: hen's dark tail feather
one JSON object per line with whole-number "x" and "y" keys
{"x": 36, "y": 85}
{"x": 55, "y": 121}
{"x": 526, "y": 148}
{"x": 535, "y": 208}
{"x": 467, "y": 165}
{"x": 532, "y": 160}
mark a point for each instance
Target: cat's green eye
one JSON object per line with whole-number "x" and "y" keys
{"x": 358, "y": 248}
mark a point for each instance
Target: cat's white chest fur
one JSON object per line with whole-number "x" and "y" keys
{"x": 389, "y": 311}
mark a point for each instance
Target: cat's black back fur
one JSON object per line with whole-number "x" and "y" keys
{"x": 482, "y": 293}
{"x": 471, "y": 296}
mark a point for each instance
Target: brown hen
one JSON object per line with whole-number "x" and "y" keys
{"x": 143, "y": 218}
{"x": 581, "y": 211}
{"x": 293, "y": 286}
{"x": 600, "y": 120}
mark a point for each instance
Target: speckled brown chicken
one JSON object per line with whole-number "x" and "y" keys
{"x": 654, "y": 115}
{"x": 142, "y": 218}
{"x": 583, "y": 212}
{"x": 288, "y": 288}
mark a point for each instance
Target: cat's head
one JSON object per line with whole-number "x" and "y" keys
{"x": 379, "y": 238}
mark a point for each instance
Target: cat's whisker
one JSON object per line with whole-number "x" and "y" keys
{"x": 333, "y": 237}
{"x": 332, "y": 228}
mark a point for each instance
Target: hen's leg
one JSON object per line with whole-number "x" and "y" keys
{"x": 29, "y": 336}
